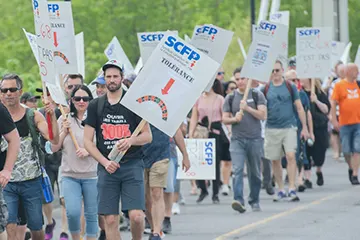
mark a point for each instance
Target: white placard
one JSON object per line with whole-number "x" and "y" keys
{"x": 337, "y": 49}
{"x": 187, "y": 38}
{"x": 138, "y": 66}
{"x": 313, "y": 52}
{"x": 56, "y": 92}
{"x": 214, "y": 41}
{"x": 282, "y": 17}
{"x": 176, "y": 73}
{"x": 346, "y": 54}
{"x": 264, "y": 50}
{"x": 32, "y": 41}
{"x": 44, "y": 41}
{"x": 148, "y": 41}
{"x": 202, "y": 156}
{"x": 62, "y": 25}
{"x": 115, "y": 51}
{"x": 80, "y": 53}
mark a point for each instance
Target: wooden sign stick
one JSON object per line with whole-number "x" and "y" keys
{"x": 246, "y": 94}
{"x": 70, "y": 131}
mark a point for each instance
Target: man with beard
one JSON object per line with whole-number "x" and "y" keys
{"x": 113, "y": 125}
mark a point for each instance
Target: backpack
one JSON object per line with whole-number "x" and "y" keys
{"x": 288, "y": 86}
{"x": 30, "y": 119}
{"x": 254, "y": 96}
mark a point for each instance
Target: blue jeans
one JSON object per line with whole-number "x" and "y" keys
{"x": 249, "y": 150}
{"x": 350, "y": 138}
{"x": 76, "y": 191}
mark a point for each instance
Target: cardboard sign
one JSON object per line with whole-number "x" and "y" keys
{"x": 62, "y": 25}
{"x": 33, "y": 44}
{"x": 337, "y": 49}
{"x": 214, "y": 41}
{"x": 264, "y": 50}
{"x": 282, "y": 17}
{"x": 115, "y": 51}
{"x": 56, "y": 92}
{"x": 148, "y": 41}
{"x": 313, "y": 52}
{"x": 167, "y": 88}
{"x": 202, "y": 156}
{"x": 80, "y": 53}
{"x": 44, "y": 41}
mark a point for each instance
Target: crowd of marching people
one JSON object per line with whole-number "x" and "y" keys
{"x": 287, "y": 123}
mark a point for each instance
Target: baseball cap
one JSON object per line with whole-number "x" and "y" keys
{"x": 28, "y": 96}
{"x": 131, "y": 77}
{"x": 292, "y": 62}
{"x": 40, "y": 90}
{"x": 112, "y": 63}
{"x": 99, "y": 80}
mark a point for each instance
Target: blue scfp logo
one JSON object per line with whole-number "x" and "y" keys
{"x": 182, "y": 48}
{"x": 267, "y": 26}
{"x": 36, "y": 4}
{"x": 151, "y": 37}
{"x": 309, "y": 32}
{"x": 209, "y": 153}
{"x": 207, "y": 29}
{"x": 53, "y": 7}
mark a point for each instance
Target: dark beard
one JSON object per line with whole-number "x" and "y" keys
{"x": 113, "y": 89}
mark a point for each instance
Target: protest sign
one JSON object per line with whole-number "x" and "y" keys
{"x": 177, "y": 73}
{"x": 346, "y": 54}
{"x": 313, "y": 52}
{"x": 337, "y": 49}
{"x": 56, "y": 92}
{"x": 80, "y": 53}
{"x": 33, "y": 44}
{"x": 187, "y": 38}
{"x": 61, "y": 19}
{"x": 148, "y": 41}
{"x": 282, "y": 18}
{"x": 214, "y": 41}
{"x": 202, "y": 156}
{"x": 115, "y": 51}
{"x": 44, "y": 41}
{"x": 138, "y": 66}
{"x": 264, "y": 50}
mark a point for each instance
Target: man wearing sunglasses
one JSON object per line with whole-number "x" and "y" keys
{"x": 281, "y": 129}
{"x": 29, "y": 100}
{"x": 25, "y": 182}
{"x": 71, "y": 82}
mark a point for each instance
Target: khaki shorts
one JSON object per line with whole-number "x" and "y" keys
{"x": 156, "y": 176}
{"x": 280, "y": 141}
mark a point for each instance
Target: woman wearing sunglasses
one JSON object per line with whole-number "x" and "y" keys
{"x": 78, "y": 169}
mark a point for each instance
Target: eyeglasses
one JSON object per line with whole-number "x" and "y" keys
{"x": 233, "y": 88}
{"x": 12, "y": 90}
{"x": 221, "y": 73}
{"x": 85, "y": 99}
{"x": 72, "y": 86}
{"x": 275, "y": 70}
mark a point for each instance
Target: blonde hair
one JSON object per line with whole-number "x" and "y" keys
{"x": 318, "y": 86}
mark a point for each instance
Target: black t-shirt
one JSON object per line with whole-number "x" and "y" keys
{"x": 6, "y": 125}
{"x": 320, "y": 120}
{"x": 117, "y": 122}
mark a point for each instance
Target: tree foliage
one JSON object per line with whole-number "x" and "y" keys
{"x": 100, "y": 20}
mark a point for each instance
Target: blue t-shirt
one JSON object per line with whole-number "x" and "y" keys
{"x": 158, "y": 149}
{"x": 280, "y": 104}
{"x": 306, "y": 105}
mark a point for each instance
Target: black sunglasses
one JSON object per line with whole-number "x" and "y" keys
{"x": 72, "y": 86}
{"x": 85, "y": 99}
{"x": 275, "y": 70}
{"x": 220, "y": 73}
{"x": 12, "y": 90}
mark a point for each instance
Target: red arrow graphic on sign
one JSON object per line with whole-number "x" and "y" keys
{"x": 166, "y": 89}
{"x": 55, "y": 40}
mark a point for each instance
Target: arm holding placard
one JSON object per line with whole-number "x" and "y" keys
{"x": 69, "y": 129}
{"x": 179, "y": 140}
{"x": 64, "y": 131}
{"x": 42, "y": 124}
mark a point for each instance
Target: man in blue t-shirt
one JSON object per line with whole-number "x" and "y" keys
{"x": 281, "y": 128}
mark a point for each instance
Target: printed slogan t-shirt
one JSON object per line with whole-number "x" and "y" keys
{"x": 117, "y": 122}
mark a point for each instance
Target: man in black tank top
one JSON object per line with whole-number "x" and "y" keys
{"x": 25, "y": 181}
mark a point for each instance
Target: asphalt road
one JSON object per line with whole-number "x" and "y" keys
{"x": 328, "y": 212}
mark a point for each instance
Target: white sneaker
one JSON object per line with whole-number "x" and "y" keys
{"x": 175, "y": 209}
{"x": 225, "y": 190}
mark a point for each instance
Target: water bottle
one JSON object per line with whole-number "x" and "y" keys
{"x": 46, "y": 186}
{"x": 310, "y": 142}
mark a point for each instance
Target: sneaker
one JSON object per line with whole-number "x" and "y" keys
{"x": 182, "y": 199}
{"x": 147, "y": 229}
{"x": 270, "y": 190}
{"x": 27, "y": 235}
{"x": 64, "y": 236}
{"x": 102, "y": 235}
{"x": 293, "y": 197}
{"x": 350, "y": 175}
{"x": 225, "y": 190}
{"x": 175, "y": 209}
{"x": 237, "y": 206}
{"x": 49, "y": 230}
{"x": 124, "y": 224}
{"x": 216, "y": 199}
{"x": 301, "y": 188}
{"x": 155, "y": 237}
{"x": 280, "y": 196}
{"x": 166, "y": 226}
{"x": 354, "y": 180}
{"x": 255, "y": 207}
{"x": 320, "y": 179}
{"x": 202, "y": 196}
{"x": 308, "y": 184}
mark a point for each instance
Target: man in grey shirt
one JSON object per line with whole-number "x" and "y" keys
{"x": 246, "y": 142}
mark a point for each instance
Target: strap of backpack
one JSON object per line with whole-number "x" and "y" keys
{"x": 231, "y": 100}
{"x": 289, "y": 87}
{"x": 255, "y": 96}
{"x": 30, "y": 119}
{"x": 99, "y": 112}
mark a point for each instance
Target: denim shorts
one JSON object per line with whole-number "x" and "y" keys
{"x": 31, "y": 194}
{"x": 350, "y": 138}
{"x": 171, "y": 177}
{"x": 3, "y": 212}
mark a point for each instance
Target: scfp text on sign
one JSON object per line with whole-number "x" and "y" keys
{"x": 151, "y": 37}
{"x": 209, "y": 30}
{"x": 182, "y": 48}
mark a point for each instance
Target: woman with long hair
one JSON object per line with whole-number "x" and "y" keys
{"x": 78, "y": 169}
{"x": 319, "y": 107}
{"x": 207, "y": 112}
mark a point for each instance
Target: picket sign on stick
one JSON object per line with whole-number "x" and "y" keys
{"x": 70, "y": 131}
{"x": 313, "y": 85}
{"x": 246, "y": 93}
{"x": 115, "y": 155}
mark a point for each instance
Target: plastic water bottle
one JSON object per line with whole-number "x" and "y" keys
{"x": 310, "y": 142}
{"x": 46, "y": 186}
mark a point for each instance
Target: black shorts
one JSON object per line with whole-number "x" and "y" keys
{"x": 127, "y": 184}
{"x": 225, "y": 153}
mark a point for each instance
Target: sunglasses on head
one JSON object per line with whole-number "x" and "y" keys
{"x": 72, "y": 86}
{"x": 85, "y": 99}
{"x": 12, "y": 90}
{"x": 275, "y": 70}
{"x": 221, "y": 73}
